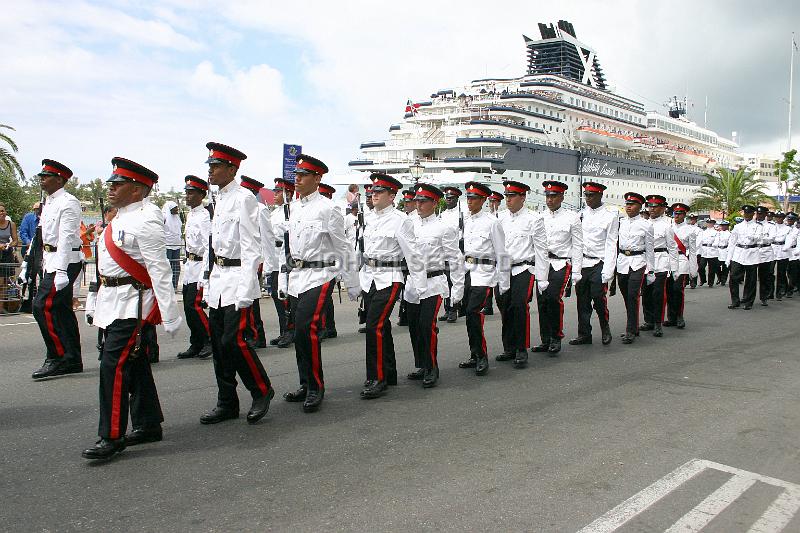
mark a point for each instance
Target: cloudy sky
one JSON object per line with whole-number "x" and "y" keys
{"x": 85, "y": 81}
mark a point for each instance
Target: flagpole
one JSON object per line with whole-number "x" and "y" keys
{"x": 791, "y": 80}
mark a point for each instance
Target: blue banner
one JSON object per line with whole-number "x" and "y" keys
{"x": 290, "y": 153}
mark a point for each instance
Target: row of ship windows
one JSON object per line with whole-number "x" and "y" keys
{"x": 566, "y": 178}
{"x": 591, "y": 106}
{"x": 669, "y": 126}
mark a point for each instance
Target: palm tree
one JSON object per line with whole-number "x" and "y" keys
{"x": 727, "y": 191}
{"x": 8, "y": 161}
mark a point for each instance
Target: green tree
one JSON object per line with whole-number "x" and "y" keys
{"x": 13, "y": 182}
{"x": 727, "y": 191}
{"x": 788, "y": 172}
{"x": 9, "y": 166}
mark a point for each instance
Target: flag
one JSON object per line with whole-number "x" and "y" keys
{"x": 411, "y": 108}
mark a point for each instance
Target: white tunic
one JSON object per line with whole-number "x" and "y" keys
{"x": 564, "y": 239}
{"x": 198, "y": 228}
{"x": 451, "y": 216}
{"x": 269, "y": 252}
{"x": 279, "y": 225}
{"x": 600, "y": 231}
{"x": 61, "y": 225}
{"x": 781, "y": 232}
{"x": 687, "y": 262}
{"x": 740, "y": 246}
{"x": 707, "y": 238}
{"x": 235, "y": 235}
{"x": 139, "y": 231}
{"x": 721, "y": 244}
{"x": 526, "y": 240}
{"x": 765, "y": 252}
{"x": 635, "y": 234}
{"x": 437, "y": 243}
{"x": 484, "y": 239}
{"x": 665, "y": 260}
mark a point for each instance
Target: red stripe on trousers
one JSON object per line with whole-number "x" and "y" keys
{"x": 605, "y": 301}
{"x": 664, "y": 300}
{"x": 48, "y": 317}
{"x": 245, "y": 349}
{"x": 483, "y": 317}
{"x": 198, "y": 307}
{"x": 638, "y": 297}
{"x": 116, "y": 396}
{"x": 528, "y": 312}
{"x": 379, "y": 328}
{"x": 315, "y": 363}
{"x": 560, "y": 333}
{"x": 434, "y": 335}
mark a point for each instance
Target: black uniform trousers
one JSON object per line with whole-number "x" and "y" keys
{"x": 423, "y": 331}
{"x": 473, "y": 305}
{"x": 551, "y": 305}
{"x": 447, "y": 301}
{"x": 283, "y": 308}
{"x": 232, "y": 355}
{"x": 723, "y": 270}
{"x": 630, "y": 286}
{"x": 196, "y": 317}
{"x": 764, "y": 279}
{"x": 126, "y": 381}
{"x": 591, "y": 291}
{"x": 514, "y": 307}
{"x": 702, "y": 267}
{"x": 328, "y": 316}
{"x": 793, "y": 274}
{"x": 307, "y": 327}
{"x": 675, "y": 296}
{"x": 402, "y": 313}
{"x": 781, "y": 277}
{"x": 380, "y": 357}
{"x": 53, "y": 312}
{"x": 748, "y": 274}
{"x": 654, "y": 298}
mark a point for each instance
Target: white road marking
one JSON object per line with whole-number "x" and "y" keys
{"x": 18, "y": 324}
{"x": 774, "y": 519}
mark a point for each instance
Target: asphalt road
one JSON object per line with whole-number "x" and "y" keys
{"x": 552, "y": 447}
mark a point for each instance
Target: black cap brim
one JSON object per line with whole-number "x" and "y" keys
{"x": 217, "y": 160}
{"x": 116, "y": 178}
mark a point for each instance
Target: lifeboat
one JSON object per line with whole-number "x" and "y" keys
{"x": 664, "y": 151}
{"x": 684, "y": 155}
{"x": 600, "y": 137}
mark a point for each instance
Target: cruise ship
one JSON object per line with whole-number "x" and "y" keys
{"x": 559, "y": 121}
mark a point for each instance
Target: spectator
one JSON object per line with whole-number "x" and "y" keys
{"x": 352, "y": 194}
{"x": 174, "y": 234}
{"x": 27, "y": 228}
{"x": 87, "y": 237}
{"x": 8, "y": 261}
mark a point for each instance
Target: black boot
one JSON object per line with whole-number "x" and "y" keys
{"x": 505, "y": 356}
{"x": 606, "y": 331}
{"x": 554, "y": 348}
{"x": 657, "y": 331}
{"x": 521, "y": 359}
{"x": 431, "y": 378}
{"x": 313, "y": 401}
{"x": 374, "y": 389}
{"x": 104, "y": 449}
{"x": 205, "y": 351}
{"x": 472, "y": 362}
{"x": 296, "y": 396}
{"x": 416, "y": 375}
{"x": 287, "y": 339}
{"x": 482, "y": 366}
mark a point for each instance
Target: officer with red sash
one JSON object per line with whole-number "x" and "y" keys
{"x": 231, "y": 289}
{"x": 135, "y": 295}
{"x": 684, "y": 235}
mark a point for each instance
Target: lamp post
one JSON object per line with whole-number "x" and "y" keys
{"x": 416, "y": 170}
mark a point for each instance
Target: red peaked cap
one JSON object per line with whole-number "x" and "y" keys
{"x": 554, "y": 187}
{"x": 634, "y": 198}
{"x": 51, "y": 167}
{"x": 220, "y": 153}
{"x": 680, "y": 208}
{"x": 656, "y": 200}
{"x": 127, "y": 170}
{"x": 281, "y": 183}
{"x": 474, "y": 189}
{"x": 310, "y": 165}
{"x": 408, "y": 194}
{"x": 516, "y": 187}
{"x": 452, "y": 191}
{"x": 496, "y": 196}
{"x": 195, "y": 183}
{"x": 593, "y": 186}
{"x": 384, "y": 181}
{"x": 252, "y": 184}
{"x": 326, "y": 190}
{"x": 426, "y": 191}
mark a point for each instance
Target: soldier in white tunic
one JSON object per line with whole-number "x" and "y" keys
{"x": 634, "y": 260}
{"x": 743, "y": 258}
{"x": 781, "y": 256}
{"x": 284, "y": 307}
{"x": 766, "y": 256}
{"x": 684, "y": 237}
{"x": 654, "y": 295}
{"x": 453, "y": 217}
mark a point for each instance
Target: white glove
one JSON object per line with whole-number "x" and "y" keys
{"x": 651, "y": 278}
{"x": 606, "y": 279}
{"x": 23, "y": 274}
{"x": 91, "y": 304}
{"x": 454, "y": 303}
{"x": 541, "y": 286}
{"x": 502, "y": 290}
{"x": 728, "y": 263}
{"x": 675, "y": 276}
{"x": 172, "y": 326}
{"x": 353, "y": 293}
{"x": 243, "y": 303}
{"x": 576, "y": 278}
{"x": 61, "y": 280}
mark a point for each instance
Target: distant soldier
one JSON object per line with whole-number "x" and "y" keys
{"x": 410, "y": 209}
{"x": 526, "y": 243}
{"x": 743, "y": 259}
{"x": 198, "y": 229}
{"x": 766, "y": 256}
{"x": 721, "y": 244}
{"x": 707, "y": 262}
{"x": 634, "y": 260}
{"x": 61, "y": 264}
{"x": 684, "y": 237}
{"x": 487, "y": 265}
{"x": 328, "y": 313}
{"x": 284, "y": 307}
{"x": 781, "y": 256}
{"x": 453, "y": 217}
{"x": 232, "y": 288}
{"x": 792, "y": 248}
{"x": 691, "y": 220}
{"x": 438, "y": 248}
{"x": 565, "y": 251}
{"x": 600, "y": 225}
{"x": 135, "y": 294}
{"x": 654, "y": 299}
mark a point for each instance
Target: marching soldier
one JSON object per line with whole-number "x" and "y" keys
{"x": 328, "y": 314}
{"x": 318, "y": 252}
{"x": 487, "y": 265}
{"x": 765, "y": 254}
{"x": 526, "y": 242}
{"x": 743, "y": 259}
{"x": 453, "y": 217}
{"x": 284, "y": 307}
{"x": 600, "y": 226}
{"x": 389, "y": 245}
{"x": 495, "y": 199}
{"x": 634, "y": 260}
{"x": 684, "y": 237}
{"x": 791, "y": 247}
{"x": 781, "y": 257}
{"x": 231, "y": 289}
{"x": 61, "y": 264}
{"x": 721, "y": 244}
{"x": 410, "y": 209}
{"x": 438, "y": 246}
{"x": 691, "y": 220}
{"x": 654, "y": 294}
{"x": 707, "y": 262}
{"x": 198, "y": 228}
{"x": 565, "y": 251}
{"x": 135, "y": 294}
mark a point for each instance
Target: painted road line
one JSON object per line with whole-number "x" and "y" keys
{"x": 775, "y": 518}
{"x": 18, "y": 324}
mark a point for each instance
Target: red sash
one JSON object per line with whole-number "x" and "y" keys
{"x": 681, "y": 246}
{"x": 132, "y": 267}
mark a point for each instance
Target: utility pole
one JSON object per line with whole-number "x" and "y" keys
{"x": 789, "y": 136}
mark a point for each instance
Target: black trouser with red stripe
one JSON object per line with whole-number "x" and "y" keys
{"x": 551, "y": 305}
{"x": 53, "y": 312}
{"x": 422, "y": 329}
{"x": 308, "y": 325}
{"x": 126, "y": 381}
{"x": 256, "y": 324}
{"x": 630, "y": 285}
{"x": 283, "y": 308}
{"x": 196, "y": 318}
{"x": 591, "y": 290}
{"x": 232, "y": 355}
{"x": 474, "y": 302}
{"x": 380, "y": 359}
{"x": 654, "y": 298}
{"x": 675, "y": 296}
{"x": 514, "y": 307}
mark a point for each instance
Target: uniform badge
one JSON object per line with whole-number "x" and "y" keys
{"x": 120, "y": 238}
